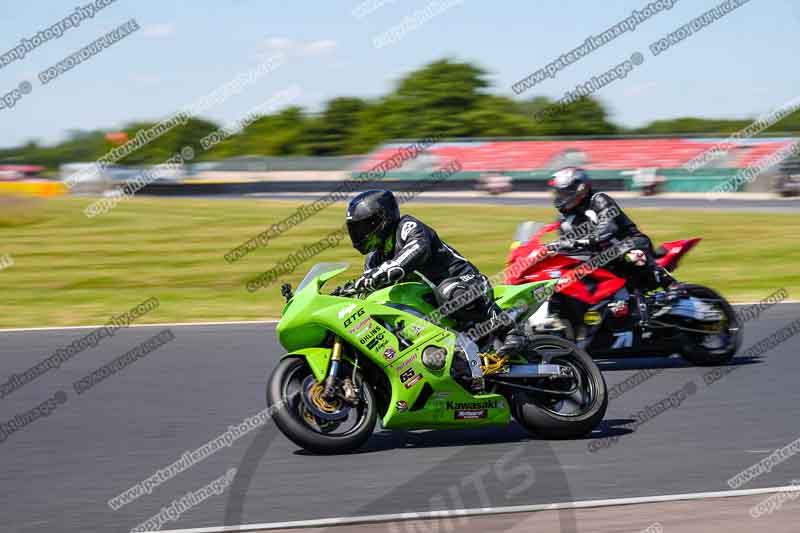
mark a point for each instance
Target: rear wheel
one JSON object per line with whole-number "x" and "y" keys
{"x": 719, "y": 343}
{"x": 311, "y": 422}
{"x": 574, "y": 407}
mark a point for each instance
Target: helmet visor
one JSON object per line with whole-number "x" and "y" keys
{"x": 363, "y": 233}
{"x": 564, "y": 198}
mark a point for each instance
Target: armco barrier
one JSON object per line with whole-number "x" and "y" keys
{"x": 266, "y": 187}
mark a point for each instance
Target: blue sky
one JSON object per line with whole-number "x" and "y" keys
{"x": 742, "y": 65}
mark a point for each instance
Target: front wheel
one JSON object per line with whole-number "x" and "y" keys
{"x": 575, "y": 407}
{"x": 311, "y": 422}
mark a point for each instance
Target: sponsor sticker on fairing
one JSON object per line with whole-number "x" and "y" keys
{"x": 381, "y": 345}
{"x": 408, "y": 374}
{"x": 373, "y": 343}
{"x": 413, "y": 381}
{"x": 592, "y": 318}
{"x": 407, "y": 362}
{"x": 347, "y": 310}
{"x": 471, "y": 414}
{"x": 370, "y": 334}
{"x": 389, "y": 354}
{"x": 409, "y": 378}
{"x": 352, "y": 318}
{"x": 483, "y": 404}
{"x": 362, "y": 326}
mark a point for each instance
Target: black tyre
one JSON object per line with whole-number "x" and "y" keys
{"x": 720, "y": 346}
{"x": 315, "y": 425}
{"x": 557, "y": 416}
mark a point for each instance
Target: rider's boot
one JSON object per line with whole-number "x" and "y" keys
{"x": 673, "y": 288}
{"x": 514, "y": 342}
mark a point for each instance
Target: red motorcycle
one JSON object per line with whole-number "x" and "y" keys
{"x": 609, "y": 317}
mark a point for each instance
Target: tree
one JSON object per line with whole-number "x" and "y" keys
{"x": 693, "y": 125}
{"x": 789, "y": 123}
{"x": 168, "y": 144}
{"x": 431, "y": 101}
{"x": 586, "y": 116}
{"x": 496, "y": 116}
{"x": 331, "y": 133}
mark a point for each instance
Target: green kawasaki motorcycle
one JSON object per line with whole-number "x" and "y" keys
{"x": 353, "y": 357}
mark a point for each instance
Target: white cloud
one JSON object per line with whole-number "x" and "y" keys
{"x": 318, "y": 48}
{"x": 278, "y": 43}
{"x": 306, "y": 49}
{"x": 159, "y": 30}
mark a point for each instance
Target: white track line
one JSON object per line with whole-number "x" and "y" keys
{"x": 587, "y": 504}
{"x": 239, "y": 322}
{"x": 156, "y": 325}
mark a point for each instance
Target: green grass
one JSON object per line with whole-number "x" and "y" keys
{"x": 71, "y": 270}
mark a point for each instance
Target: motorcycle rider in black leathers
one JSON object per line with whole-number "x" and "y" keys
{"x": 579, "y": 206}
{"x": 401, "y": 247}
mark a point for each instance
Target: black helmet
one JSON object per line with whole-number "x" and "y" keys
{"x": 372, "y": 217}
{"x": 570, "y": 186}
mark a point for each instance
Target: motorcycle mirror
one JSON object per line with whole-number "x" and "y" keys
{"x": 286, "y": 291}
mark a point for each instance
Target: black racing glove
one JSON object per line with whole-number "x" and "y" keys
{"x": 589, "y": 242}
{"x": 563, "y": 246}
{"x": 365, "y": 283}
{"x": 378, "y": 278}
{"x": 553, "y": 248}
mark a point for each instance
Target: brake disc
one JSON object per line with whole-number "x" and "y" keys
{"x": 318, "y": 406}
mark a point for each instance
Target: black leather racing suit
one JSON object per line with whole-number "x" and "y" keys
{"x": 607, "y": 226}
{"x": 419, "y": 252}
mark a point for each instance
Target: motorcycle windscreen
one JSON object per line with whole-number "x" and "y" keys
{"x": 525, "y": 231}
{"x": 319, "y": 270}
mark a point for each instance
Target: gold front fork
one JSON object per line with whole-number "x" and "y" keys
{"x": 337, "y": 350}
{"x": 333, "y": 374}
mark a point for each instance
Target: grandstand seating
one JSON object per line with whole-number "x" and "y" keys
{"x": 599, "y": 154}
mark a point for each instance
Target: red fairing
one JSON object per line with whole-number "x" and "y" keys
{"x": 528, "y": 262}
{"x": 676, "y": 250}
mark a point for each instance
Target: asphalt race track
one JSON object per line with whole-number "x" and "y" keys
{"x": 58, "y": 472}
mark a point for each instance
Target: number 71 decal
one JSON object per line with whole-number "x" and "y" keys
{"x": 624, "y": 340}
